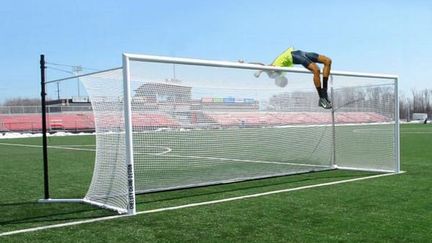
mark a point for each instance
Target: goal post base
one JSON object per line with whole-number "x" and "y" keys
{"x": 83, "y": 201}
{"x": 365, "y": 169}
{"x": 55, "y": 200}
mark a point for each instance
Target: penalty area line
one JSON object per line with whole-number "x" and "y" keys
{"x": 195, "y": 204}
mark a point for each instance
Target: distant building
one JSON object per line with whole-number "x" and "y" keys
{"x": 419, "y": 116}
{"x": 178, "y": 98}
{"x": 81, "y": 103}
{"x": 159, "y": 92}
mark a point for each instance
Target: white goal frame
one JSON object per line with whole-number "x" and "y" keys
{"x": 129, "y": 164}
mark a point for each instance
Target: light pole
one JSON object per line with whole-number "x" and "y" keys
{"x": 75, "y": 71}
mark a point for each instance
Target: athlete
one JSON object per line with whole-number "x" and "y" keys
{"x": 309, "y": 60}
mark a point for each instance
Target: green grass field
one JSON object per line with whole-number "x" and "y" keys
{"x": 391, "y": 209}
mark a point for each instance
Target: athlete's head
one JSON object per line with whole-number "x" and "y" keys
{"x": 281, "y": 81}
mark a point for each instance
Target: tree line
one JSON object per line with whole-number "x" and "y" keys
{"x": 419, "y": 101}
{"x": 22, "y": 102}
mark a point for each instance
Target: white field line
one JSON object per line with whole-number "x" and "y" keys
{"x": 195, "y": 204}
{"x": 168, "y": 150}
{"x": 40, "y": 146}
{"x": 417, "y": 132}
{"x": 77, "y": 145}
{"x": 384, "y": 131}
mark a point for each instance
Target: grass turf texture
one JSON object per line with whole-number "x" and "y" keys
{"x": 396, "y": 208}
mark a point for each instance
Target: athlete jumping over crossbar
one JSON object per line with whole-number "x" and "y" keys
{"x": 309, "y": 60}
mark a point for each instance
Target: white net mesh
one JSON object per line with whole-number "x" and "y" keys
{"x": 109, "y": 183}
{"x": 369, "y": 143}
{"x": 196, "y": 125}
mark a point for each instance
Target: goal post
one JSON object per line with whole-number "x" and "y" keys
{"x": 128, "y": 136}
{"x": 165, "y": 123}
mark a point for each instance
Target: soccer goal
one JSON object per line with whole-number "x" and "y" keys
{"x": 165, "y": 123}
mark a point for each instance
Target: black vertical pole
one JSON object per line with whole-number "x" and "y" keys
{"x": 44, "y": 127}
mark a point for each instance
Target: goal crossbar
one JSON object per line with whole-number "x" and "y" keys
{"x": 242, "y": 65}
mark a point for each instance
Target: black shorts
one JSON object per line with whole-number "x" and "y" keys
{"x": 304, "y": 58}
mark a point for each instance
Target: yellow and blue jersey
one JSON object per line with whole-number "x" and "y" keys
{"x": 285, "y": 59}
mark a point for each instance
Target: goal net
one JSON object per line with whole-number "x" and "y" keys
{"x": 171, "y": 123}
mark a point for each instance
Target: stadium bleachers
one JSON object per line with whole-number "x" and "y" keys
{"x": 154, "y": 120}
{"x": 292, "y": 118}
{"x": 75, "y": 122}
{"x": 84, "y": 121}
{"x": 61, "y": 121}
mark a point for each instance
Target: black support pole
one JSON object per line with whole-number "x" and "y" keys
{"x": 44, "y": 127}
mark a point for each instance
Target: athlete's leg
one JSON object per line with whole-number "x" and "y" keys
{"x": 323, "y": 101}
{"x": 326, "y": 70}
{"x": 316, "y": 74}
{"x": 327, "y": 64}
{"x": 314, "y": 57}
{"x": 299, "y": 57}
{"x": 308, "y": 59}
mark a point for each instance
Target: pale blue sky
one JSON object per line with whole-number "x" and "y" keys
{"x": 388, "y": 36}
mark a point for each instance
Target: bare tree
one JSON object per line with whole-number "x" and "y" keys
{"x": 22, "y": 102}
